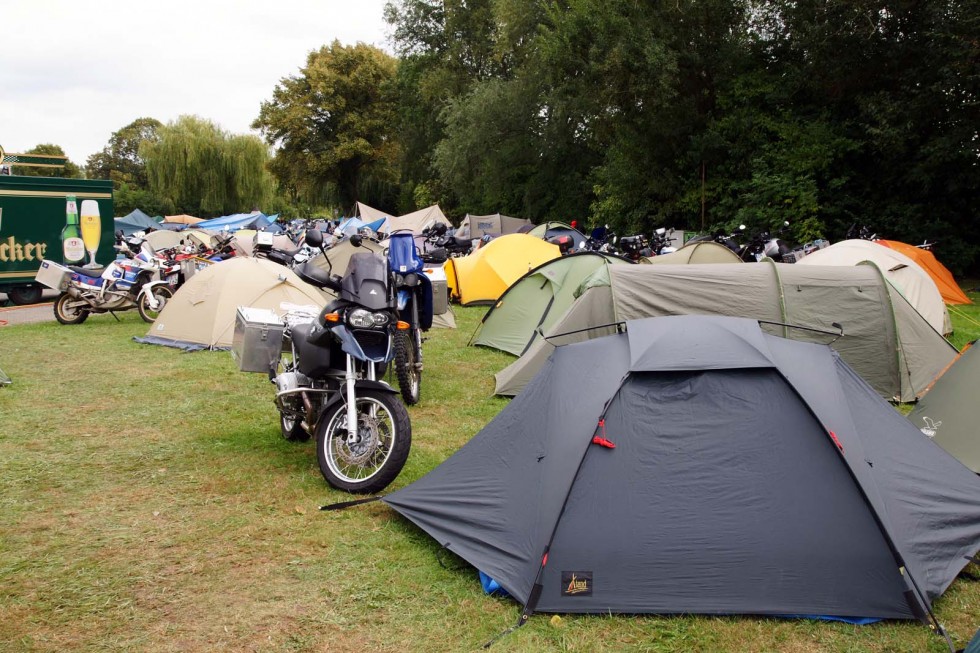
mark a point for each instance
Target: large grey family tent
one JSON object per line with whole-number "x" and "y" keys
{"x": 475, "y": 226}
{"x": 949, "y": 414}
{"x": 695, "y": 464}
{"x": 885, "y": 340}
{"x": 201, "y": 314}
{"x": 536, "y": 300}
{"x": 909, "y": 277}
{"x": 700, "y": 251}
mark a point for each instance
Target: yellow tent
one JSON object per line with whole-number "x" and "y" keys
{"x": 482, "y": 277}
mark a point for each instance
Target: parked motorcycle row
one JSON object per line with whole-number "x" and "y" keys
{"x": 140, "y": 278}
{"x": 328, "y": 367}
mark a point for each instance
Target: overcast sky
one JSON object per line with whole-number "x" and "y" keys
{"x": 74, "y": 71}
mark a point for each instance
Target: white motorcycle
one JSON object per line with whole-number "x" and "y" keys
{"x": 126, "y": 283}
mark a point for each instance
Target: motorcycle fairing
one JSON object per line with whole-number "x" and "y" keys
{"x": 85, "y": 279}
{"x": 350, "y": 345}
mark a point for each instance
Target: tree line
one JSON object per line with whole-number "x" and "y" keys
{"x": 693, "y": 114}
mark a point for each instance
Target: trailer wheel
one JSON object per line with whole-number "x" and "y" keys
{"x": 22, "y": 295}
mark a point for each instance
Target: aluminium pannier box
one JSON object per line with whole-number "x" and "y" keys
{"x": 53, "y": 275}
{"x": 440, "y": 289}
{"x": 257, "y": 340}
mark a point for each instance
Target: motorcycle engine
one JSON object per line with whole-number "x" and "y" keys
{"x": 291, "y": 381}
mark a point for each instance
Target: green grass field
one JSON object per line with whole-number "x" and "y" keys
{"x": 148, "y": 503}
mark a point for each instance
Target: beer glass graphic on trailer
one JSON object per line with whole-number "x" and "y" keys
{"x": 91, "y": 229}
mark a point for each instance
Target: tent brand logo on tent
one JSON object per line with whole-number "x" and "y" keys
{"x": 931, "y": 426}
{"x": 576, "y": 583}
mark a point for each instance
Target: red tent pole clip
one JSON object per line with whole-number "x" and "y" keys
{"x": 600, "y": 439}
{"x": 833, "y": 436}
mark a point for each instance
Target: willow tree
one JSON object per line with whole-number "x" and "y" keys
{"x": 333, "y": 127}
{"x": 201, "y": 169}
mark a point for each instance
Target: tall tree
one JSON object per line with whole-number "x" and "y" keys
{"x": 120, "y": 159}
{"x": 69, "y": 170}
{"x": 333, "y": 127}
{"x": 198, "y": 168}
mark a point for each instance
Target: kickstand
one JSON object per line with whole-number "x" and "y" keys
{"x": 113, "y": 314}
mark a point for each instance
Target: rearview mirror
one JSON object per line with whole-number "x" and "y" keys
{"x": 356, "y": 240}
{"x": 314, "y": 237}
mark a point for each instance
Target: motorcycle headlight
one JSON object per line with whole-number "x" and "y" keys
{"x": 363, "y": 319}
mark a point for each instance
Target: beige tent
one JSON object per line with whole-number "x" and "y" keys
{"x": 475, "y": 226}
{"x": 164, "y": 239}
{"x": 702, "y": 251}
{"x": 416, "y": 221}
{"x": 201, "y": 315}
{"x": 182, "y": 219}
{"x": 885, "y": 339}
{"x": 912, "y": 281}
{"x": 245, "y": 241}
{"x": 369, "y": 214}
{"x": 339, "y": 255}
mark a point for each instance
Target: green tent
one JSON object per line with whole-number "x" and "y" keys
{"x": 885, "y": 340}
{"x": 947, "y": 413}
{"x": 700, "y": 251}
{"x": 537, "y": 300}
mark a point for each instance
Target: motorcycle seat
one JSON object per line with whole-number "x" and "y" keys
{"x": 88, "y": 272}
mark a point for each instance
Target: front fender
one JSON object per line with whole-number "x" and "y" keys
{"x": 148, "y": 287}
{"x": 363, "y": 384}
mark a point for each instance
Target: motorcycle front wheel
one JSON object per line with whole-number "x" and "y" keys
{"x": 292, "y": 428}
{"x": 371, "y": 459}
{"x": 408, "y": 356}
{"x": 67, "y": 313}
{"x": 162, "y": 294}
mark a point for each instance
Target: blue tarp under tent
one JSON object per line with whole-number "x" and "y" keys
{"x": 135, "y": 221}
{"x": 350, "y": 226}
{"x": 257, "y": 221}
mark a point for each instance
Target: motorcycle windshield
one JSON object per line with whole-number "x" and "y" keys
{"x": 366, "y": 281}
{"x": 402, "y": 254}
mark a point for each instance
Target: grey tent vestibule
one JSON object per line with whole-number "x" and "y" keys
{"x": 697, "y": 465}
{"x": 948, "y": 413}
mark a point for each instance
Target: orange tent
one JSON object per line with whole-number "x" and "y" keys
{"x": 947, "y": 285}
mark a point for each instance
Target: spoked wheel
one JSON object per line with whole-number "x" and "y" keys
{"x": 68, "y": 310}
{"x": 373, "y": 457}
{"x": 292, "y": 428}
{"x": 408, "y": 364}
{"x": 162, "y": 295}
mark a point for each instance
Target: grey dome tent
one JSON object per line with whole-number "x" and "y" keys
{"x": 885, "y": 340}
{"x": 948, "y": 412}
{"x": 748, "y": 474}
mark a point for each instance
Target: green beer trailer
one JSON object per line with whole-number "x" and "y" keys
{"x": 32, "y": 219}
